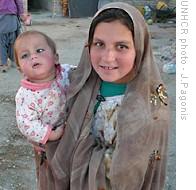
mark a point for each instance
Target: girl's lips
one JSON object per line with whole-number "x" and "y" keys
{"x": 108, "y": 68}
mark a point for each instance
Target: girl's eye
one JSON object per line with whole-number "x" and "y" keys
{"x": 40, "y": 50}
{"x": 122, "y": 46}
{"x": 98, "y": 44}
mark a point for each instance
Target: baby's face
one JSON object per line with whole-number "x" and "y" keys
{"x": 36, "y": 59}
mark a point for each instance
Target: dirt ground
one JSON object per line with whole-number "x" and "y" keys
{"x": 17, "y": 170}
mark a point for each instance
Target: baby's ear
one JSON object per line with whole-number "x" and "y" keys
{"x": 56, "y": 58}
{"x": 19, "y": 69}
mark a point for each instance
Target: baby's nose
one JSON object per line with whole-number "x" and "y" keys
{"x": 33, "y": 56}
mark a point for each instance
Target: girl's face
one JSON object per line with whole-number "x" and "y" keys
{"x": 36, "y": 59}
{"x": 112, "y": 52}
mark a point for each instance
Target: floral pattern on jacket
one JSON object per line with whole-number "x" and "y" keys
{"x": 38, "y": 110}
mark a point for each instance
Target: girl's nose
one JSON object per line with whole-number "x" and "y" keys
{"x": 108, "y": 55}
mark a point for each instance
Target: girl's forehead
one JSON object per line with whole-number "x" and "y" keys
{"x": 117, "y": 24}
{"x": 114, "y": 28}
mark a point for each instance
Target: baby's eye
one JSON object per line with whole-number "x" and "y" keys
{"x": 40, "y": 50}
{"x": 24, "y": 56}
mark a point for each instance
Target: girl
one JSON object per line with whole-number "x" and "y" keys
{"x": 119, "y": 140}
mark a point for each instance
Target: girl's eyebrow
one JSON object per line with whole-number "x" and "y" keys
{"x": 97, "y": 39}
{"x": 123, "y": 41}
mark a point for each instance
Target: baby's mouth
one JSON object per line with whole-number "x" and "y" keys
{"x": 35, "y": 65}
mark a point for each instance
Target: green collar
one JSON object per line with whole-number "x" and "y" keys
{"x": 108, "y": 89}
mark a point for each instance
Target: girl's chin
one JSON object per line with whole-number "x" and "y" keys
{"x": 106, "y": 79}
{"x": 115, "y": 80}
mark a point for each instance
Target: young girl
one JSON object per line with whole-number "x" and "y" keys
{"x": 121, "y": 135}
{"x": 41, "y": 99}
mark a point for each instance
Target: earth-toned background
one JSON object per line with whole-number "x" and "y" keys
{"x": 17, "y": 170}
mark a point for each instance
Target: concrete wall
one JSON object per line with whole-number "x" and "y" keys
{"x": 55, "y": 8}
{"x": 43, "y": 4}
{"x": 48, "y": 4}
{"x": 142, "y": 2}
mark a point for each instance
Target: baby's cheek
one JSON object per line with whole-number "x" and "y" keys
{"x": 50, "y": 60}
{"x": 25, "y": 66}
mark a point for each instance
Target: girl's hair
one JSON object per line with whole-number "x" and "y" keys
{"x": 110, "y": 15}
{"x": 49, "y": 41}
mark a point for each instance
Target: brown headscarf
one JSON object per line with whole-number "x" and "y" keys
{"x": 139, "y": 159}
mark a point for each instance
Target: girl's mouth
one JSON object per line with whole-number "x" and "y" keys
{"x": 108, "y": 68}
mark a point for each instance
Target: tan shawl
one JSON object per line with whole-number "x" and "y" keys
{"x": 139, "y": 159}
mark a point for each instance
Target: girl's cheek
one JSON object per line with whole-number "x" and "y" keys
{"x": 95, "y": 56}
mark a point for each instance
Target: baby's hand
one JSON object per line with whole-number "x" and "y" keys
{"x": 56, "y": 134}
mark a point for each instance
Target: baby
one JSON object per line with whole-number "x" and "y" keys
{"x": 41, "y": 99}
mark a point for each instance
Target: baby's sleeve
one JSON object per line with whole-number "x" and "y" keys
{"x": 28, "y": 117}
